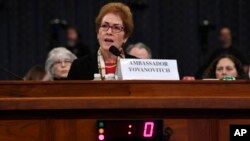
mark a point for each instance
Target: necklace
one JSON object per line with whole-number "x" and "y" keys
{"x": 111, "y": 66}
{"x": 102, "y": 67}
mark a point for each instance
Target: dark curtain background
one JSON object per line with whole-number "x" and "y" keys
{"x": 169, "y": 27}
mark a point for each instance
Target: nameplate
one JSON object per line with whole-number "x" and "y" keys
{"x": 148, "y": 69}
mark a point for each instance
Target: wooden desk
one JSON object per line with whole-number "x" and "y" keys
{"x": 67, "y": 110}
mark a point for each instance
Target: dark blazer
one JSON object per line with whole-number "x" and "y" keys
{"x": 85, "y": 67}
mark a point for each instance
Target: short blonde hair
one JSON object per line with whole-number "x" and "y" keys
{"x": 53, "y": 55}
{"x": 120, "y": 9}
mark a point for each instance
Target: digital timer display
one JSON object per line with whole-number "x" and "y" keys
{"x": 130, "y": 130}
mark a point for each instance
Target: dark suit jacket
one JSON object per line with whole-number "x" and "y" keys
{"x": 85, "y": 67}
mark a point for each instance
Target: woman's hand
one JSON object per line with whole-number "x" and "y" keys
{"x": 188, "y": 78}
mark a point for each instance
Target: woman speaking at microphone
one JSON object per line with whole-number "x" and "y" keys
{"x": 114, "y": 25}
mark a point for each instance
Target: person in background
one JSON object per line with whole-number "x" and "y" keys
{"x": 74, "y": 44}
{"x": 139, "y": 50}
{"x": 225, "y": 37}
{"x": 58, "y": 63}
{"x": 226, "y": 47}
{"x": 37, "y": 72}
{"x": 114, "y": 25}
{"x": 225, "y": 65}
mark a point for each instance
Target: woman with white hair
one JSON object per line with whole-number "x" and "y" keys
{"x": 58, "y": 63}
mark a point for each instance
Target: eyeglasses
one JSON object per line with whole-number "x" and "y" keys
{"x": 115, "y": 28}
{"x": 62, "y": 63}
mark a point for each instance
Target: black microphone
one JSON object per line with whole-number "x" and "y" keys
{"x": 11, "y": 73}
{"x": 115, "y": 51}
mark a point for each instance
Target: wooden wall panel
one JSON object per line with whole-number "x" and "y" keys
{"x": 68, "y": 110}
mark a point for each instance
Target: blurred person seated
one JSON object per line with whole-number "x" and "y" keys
{"x": 222, "y": 66}
{"x": 139, "y": 50}
{"x": 225, "y": 65}
{"x": 225, "y": 38}
{"x": 226, "y": 47}
{"x": 37, "y": 72}
{"x": 74, "y": 44}
{"x": 58, "y": 63}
